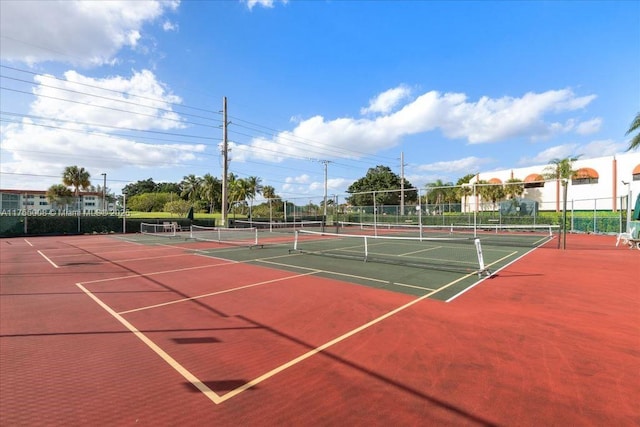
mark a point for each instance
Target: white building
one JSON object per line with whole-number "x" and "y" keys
{"x": 22, "y": 202}
{"x": 601, "y": 183}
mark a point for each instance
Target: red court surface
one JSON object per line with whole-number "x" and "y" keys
{"x": 98, "y": 331}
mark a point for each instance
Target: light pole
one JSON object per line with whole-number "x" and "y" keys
{"x": 628, "y": 184}
{"x": 124, "y": 212}
{"x": 104, "y": 191}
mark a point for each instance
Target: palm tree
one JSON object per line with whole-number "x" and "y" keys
{"x": 238, "y": 190}
{"x": 464, "y": 189}
{"x": 78, "y": 178}
{"x": 190, "y": 186}
{"x": 562, "y": 171}
{"x": 436, "y": 192}
{"x": 513, "y": 188}
{"x": 490, "y": 191}
{"x": 254, "y": 187}
{"x": 635, "y": 126}
{"x": 269, "y": 193}
{"x": 211, "y": 190}
{"x": 59, "y": 194}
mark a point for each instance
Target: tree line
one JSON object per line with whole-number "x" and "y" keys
{"x": 380, "y": 186}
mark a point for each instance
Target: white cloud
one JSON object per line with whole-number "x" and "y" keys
{"x": 140, "y": 102}
{"x": 590, "y": 150}
{"x": 92, "y": 131}
{"x": 545, "y": 156}
{"x": 589, "y": 127}
{"x": 301, "y": 179}
{"x": 486, "y": 120}
{"x": 264, "y": 3}
{"x": 387, "y": 101}
{"x": 77, "y": 32}
{"x": 601, "y": 148}
{"x": 169, "y": 26}
{"x": 464, "y": 165}
{"x": 302, "y": 186}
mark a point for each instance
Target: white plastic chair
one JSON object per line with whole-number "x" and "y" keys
{"x": 625, "y": 237}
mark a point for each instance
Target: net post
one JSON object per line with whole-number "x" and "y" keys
{"x": 482, "y": 268}
{"x": 295, "y": 240}
{"x": 366, "y": 248}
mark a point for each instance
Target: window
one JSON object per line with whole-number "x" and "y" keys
{"x": 10, "y": 201}
{"x": 585, "y": 176}
{"x": 582, "y": 181}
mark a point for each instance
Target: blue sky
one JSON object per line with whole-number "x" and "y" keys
{"x": 135, "y": 89}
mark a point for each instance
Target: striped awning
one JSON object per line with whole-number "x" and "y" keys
{"x": 534, "y": 177}
{"x": 586, "y": 173}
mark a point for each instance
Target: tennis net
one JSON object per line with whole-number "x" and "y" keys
{"x": 490, "y": 234}
{"x": 283, "y": 227}
{"x": 456, "y": 254}
{"x": 232, "y": 236}
{"x": 166, "y": 229}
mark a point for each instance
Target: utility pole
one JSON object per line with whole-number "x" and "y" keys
{"x": 225, "y": 163}
{"x": 104, "y": 192}
{"x": 402, "y": 183}
{"x": 325, "y": 163}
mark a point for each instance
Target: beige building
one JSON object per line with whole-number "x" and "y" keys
{"x": 21, "y": 202}
{"x": 602, "y": 183}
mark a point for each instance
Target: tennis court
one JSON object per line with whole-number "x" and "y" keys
{"x": 168, "y": 327}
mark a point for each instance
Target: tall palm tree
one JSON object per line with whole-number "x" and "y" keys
{"x": 254, "y": 187}
{"x": 211, "y": 190}
{"x": 238, "y": 190}
{"x": 269, "y": 192}
{"x": 78, "y": 178}
{"x": 436, "y": 192}
{"x": 635, "y": 126}
{"x": 464, "y": 190}
{"x": 562, "y": 171}
{"x": 190, "y": 186}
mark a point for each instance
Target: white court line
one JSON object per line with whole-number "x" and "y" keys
{"x": 337, "y": 340}
{"x": 421, "y": 250}
{"x": 28, "y": 242}
{"x": 155, "y": 273}
{"x": 50, "y": 262}
{"x": 215, "y": 398}
{"x": 216, "y": 293}
{"x": 335, "y": 273}
{"x": 485, "y": 278}
{"x": 122, "y": 260}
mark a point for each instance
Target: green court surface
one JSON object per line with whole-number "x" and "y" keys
{"x": 439, "y": 268}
